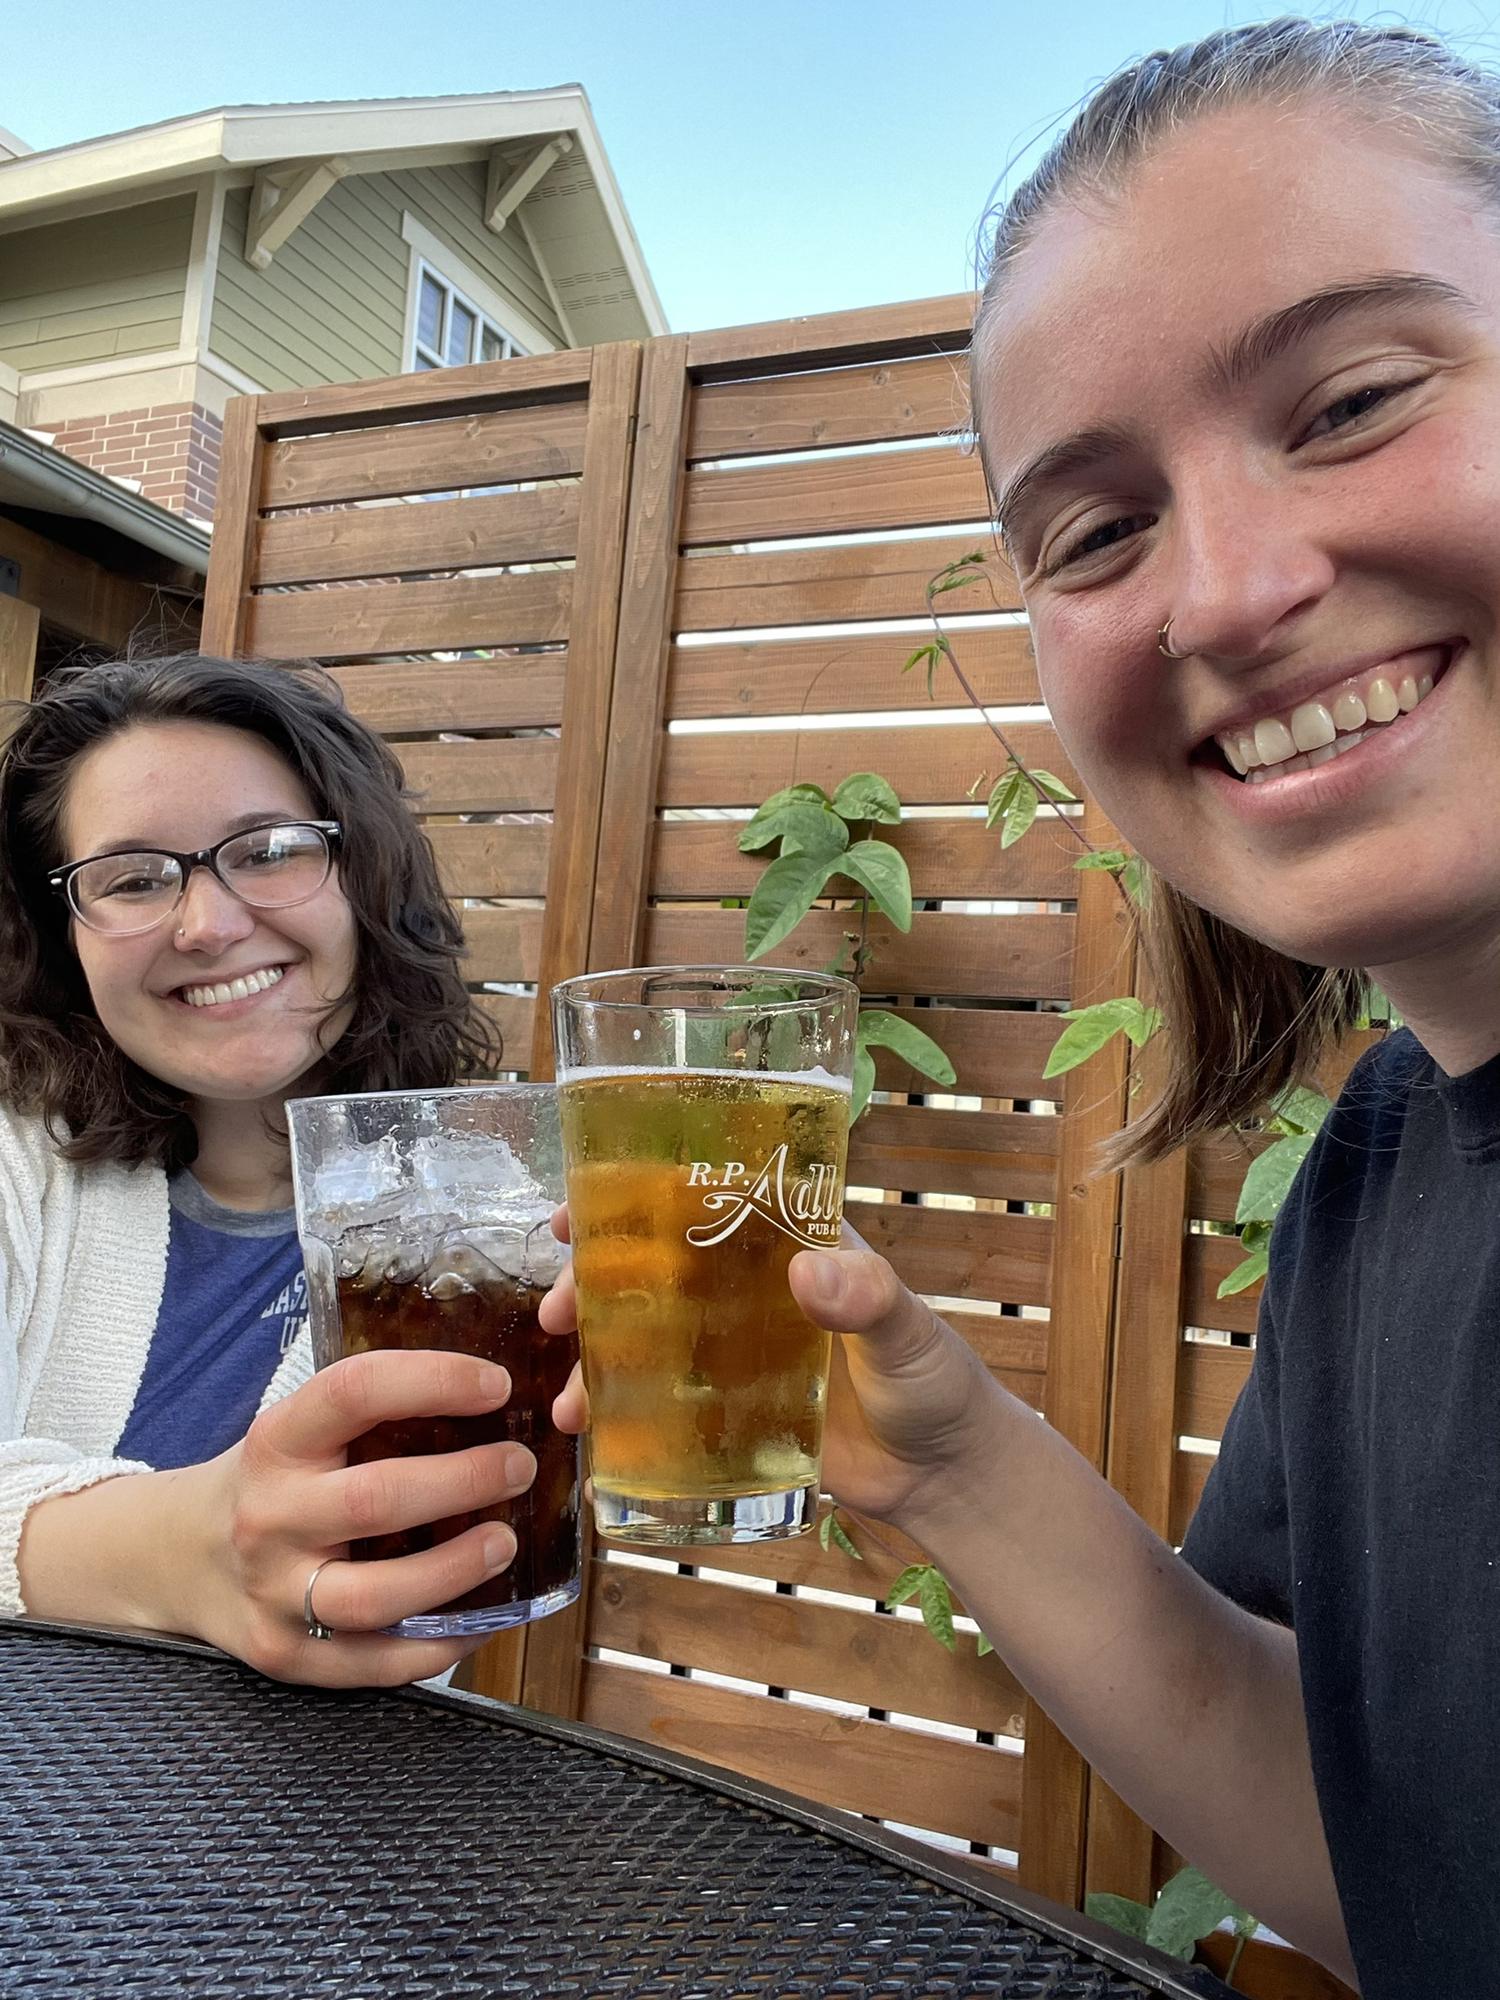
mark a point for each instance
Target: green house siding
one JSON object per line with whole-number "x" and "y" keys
{"x": 95, "y": 288}
{"x": 332, "y": 306}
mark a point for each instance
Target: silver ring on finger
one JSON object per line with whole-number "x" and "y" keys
{"x": 316, "y": 1629}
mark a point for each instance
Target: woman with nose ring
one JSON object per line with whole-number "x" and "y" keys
{"x": 214, "y": 897}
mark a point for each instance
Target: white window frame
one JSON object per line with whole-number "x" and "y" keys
{"x": 430, "y": 257}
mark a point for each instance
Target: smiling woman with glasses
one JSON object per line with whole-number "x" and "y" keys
{"x": 213, "y": 897}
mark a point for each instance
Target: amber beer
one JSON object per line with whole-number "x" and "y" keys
{"x": 689, "y": 1195}
{"x": 469, "y": 1310}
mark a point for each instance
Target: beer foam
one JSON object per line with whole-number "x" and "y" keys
{"x": 820, "y": 1079}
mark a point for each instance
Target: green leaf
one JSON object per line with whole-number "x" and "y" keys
{"x": 881, "y": 870}
{"x": 831, "y": 1528}
{"x": 932, "y": 655}
{"x": 1270, "y": 1178}
{"x": 983, "y": 1647}
{"x": 1119, "y": 1912}
{"x": 1137, "y": 882}
{"x": 1091, "y": 1027}
{"x": 783, "y": 896}
{"x": 1243, "y": 1276}
{"x": 907, "y": 1584}
{"x": 1112, "y": 858}
{"x": 810, "y": 823}
{"x": 1301, "y": 1110}
{"x": 1188, "y": 1908}
{"x": 866, "y": 795}
{"x": 937, "y": 1607}
{"x": 864, "y": 1083}
{"x": 1019, "y": 814}
{"x": 879, "y": 1030}
{"x": 1054, "y": 788}
{"x": 956, "y": 574}
{"x": 1246, "y": 1924}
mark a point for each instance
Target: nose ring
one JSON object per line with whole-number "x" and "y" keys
{"x": 1164, "y": 643}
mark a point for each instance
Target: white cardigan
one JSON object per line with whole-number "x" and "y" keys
{"x": 83, "y": 1262}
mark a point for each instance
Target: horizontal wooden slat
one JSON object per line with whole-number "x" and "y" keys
{"x": 487, "y": 860}
{"x": 801, "y": 1559}
{"x": 834, "y": 496}
{"x": 355, "y": 621}
{"x": 817, "y": 586}
{"x": 1216, "y": 1172}
{"x": 960, "y": 1253}
{"x": 995, "y": 1051}
{"x": 1013, "y": 1349}
{"x": 829, "y": 339}
{"x": 928, "y": 767}
{"x": 843, "y": 406}
{"x": 969, "y": 1790}
{"x": 1190, "y": 1470}
{"x": 539, "y": 384}
{"x": 420, "y": 697}
{"x": 1207, "y": 1261}
{"x": 1020, "y": 958}
{"x": 499, "y": 774}
{"x": 843, "y": 674}
{"x": 1209, "y": 1379}
{"x": 948, "y": 859}
{"x": 793, "y": 1642}
{"x": 489, "y": 448}
{"x": 1005, "y": 1156}
{"x": 402, "y": 540}
{"x": 502, "y": 945}
{"x": 512, "y": 1015}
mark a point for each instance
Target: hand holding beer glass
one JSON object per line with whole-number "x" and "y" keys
{"x": 424, "y": 1218}
{"x": 705, "y": 1117}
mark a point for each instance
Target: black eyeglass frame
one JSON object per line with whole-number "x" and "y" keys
{"x": 62, "y": 879}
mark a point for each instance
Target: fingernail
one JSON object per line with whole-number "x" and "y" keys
{"x": 499, "y": 1548}
{"x": 495, "y": 1381}
{"x": 520, "y": 1468}
{"x": 825, "y": 1279}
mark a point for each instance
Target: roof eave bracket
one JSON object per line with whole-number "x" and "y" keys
{"x": 281, "y": 201}
{"x": 505, "y": 189}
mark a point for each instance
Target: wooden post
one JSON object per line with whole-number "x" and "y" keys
{"x": 1054, "y": 1810}
{"x": 19, "y": 625}
{"x": 638, "y": 715}
{"x": 231, "y": 562}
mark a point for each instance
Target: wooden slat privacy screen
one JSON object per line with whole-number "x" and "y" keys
{"x": 647, "y": 586}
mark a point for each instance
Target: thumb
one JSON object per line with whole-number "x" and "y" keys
{"x": 855, "y": 1291}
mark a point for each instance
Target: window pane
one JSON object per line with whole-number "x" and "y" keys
{"x": 460, "y": 335}
{"x": 425, "y": 361}
{"x": 491, "y": 345}
{"x": 430, "y": 313}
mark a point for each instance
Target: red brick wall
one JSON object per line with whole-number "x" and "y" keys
{"x": 172, "y": 450}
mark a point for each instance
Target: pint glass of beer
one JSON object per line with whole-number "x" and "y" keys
{"x": 424, "y": 1218}
{"x": 705, "y": 1114}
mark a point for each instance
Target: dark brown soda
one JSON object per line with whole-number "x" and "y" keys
{"x": 497, "y": 1320}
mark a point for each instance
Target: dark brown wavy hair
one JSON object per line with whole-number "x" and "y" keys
{"x": 414, "y": 1023}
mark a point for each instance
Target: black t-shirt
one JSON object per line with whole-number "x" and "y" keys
{"x": 1356, "y": 1496}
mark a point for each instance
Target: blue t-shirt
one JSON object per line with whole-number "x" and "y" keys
{"x": 233, "y": 1303}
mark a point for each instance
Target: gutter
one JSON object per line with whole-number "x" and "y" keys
{"x": 63, "y": 486}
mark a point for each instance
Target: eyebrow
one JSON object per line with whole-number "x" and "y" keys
{"x": 241, "y": 822}
{"x": 1249, "y": 352}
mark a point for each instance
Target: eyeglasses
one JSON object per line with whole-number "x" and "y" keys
{"x": 268, "y": 867}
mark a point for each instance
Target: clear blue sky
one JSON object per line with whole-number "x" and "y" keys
{"x": 776, "y": 156}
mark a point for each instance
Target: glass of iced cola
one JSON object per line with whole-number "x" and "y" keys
{"x": 424, "y": 1224}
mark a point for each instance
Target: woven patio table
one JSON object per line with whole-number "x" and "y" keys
{"x": 173, "y": 1824}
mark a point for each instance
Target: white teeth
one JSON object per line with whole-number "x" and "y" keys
{"x": 1315, "y": 731}
{"x": 1349, "y": 712}
{"x": 1381, "y": 703}
{"x": 1274, "y": 742}
{"x": 235, "y": 989}
{"x": 1312, "y": 726}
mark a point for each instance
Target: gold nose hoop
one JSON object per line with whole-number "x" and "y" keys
{"x": 1164, "y": 643}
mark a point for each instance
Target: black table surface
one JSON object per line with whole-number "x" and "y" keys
{"x": 172, "y": 1824}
